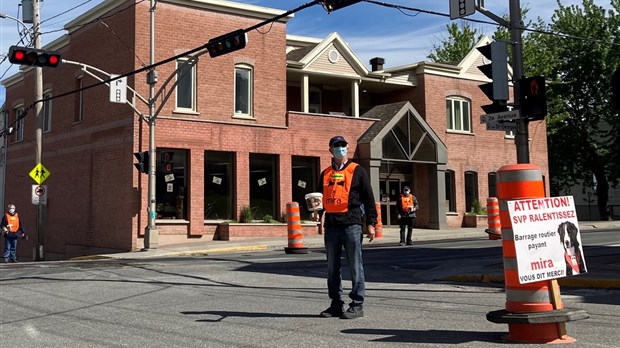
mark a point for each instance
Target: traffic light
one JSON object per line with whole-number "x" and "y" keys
{"x": 333, "y": 5}
{"x": 166, "y": 162}
{"x": 227, "y": 43}
{"x": 533, "y": 97}
{"x": 496, "y": 70}
{"x": 31, "y": 56}
{"x": 143, "y": 161}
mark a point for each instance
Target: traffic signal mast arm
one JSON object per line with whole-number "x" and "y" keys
{"x": 85, "y": 68}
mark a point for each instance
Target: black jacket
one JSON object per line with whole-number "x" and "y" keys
{"x": 360, "y": 193}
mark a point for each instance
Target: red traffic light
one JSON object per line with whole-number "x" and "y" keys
{"x": 227, "y": 43}
{"x": 31, "y": 56}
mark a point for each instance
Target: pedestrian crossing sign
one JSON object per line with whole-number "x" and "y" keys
{"x": 39, "y": 173}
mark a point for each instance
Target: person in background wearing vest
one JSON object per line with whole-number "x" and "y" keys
{"x": 11, "y": 229}
{"x": 345, "y": 188}
{"x": 406, "y": 209}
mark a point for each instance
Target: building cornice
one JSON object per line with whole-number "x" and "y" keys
{"x": 213, "y": 5}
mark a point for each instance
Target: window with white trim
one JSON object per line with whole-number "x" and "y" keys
{"x": 186, "y": 86}
{"x": 243, "y": 90}
{"x": 19, "y": 124}
{"x": 47, "y": 112}
{"x": 458, "y": 115}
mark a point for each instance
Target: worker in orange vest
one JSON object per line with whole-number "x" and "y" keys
{"x": 11, "y": 229}
{"x": 346, "y": 187}
{"x": 406, "y": 208}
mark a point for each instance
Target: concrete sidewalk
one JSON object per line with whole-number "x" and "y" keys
{"x": 603, "y": 263}
{"x": 390, "y": 238}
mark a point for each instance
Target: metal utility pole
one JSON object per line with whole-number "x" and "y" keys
{"x": 38, "y": 108}
{"x": 522, "y": 136}
{"x": 151, "y": 237}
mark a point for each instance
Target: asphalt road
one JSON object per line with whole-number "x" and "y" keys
{"x": 271, "y": 299}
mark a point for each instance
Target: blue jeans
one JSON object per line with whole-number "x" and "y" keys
{"x": 10, "y": 246}
{"x": 349, "y": 237}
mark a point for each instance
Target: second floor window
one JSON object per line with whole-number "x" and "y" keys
{"x": 186, "y": 86}
{"x": 458, "y": 116}
{"x": 243, "y": 90}
{"x": 19, "y": 125}
{"x": 78, "y": 113}
{"x": 47, "y": 112}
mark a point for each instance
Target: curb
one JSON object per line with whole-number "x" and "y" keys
{"x": 217, "y": 250}
{"x": 591, "y": 283}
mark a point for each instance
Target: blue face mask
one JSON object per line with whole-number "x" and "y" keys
{"x": 339, "y": 152}
{"x": 12, "y": 211}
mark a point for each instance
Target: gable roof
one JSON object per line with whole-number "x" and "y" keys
{"x": 308, "y": 55}
{"x": 388, "y": 116}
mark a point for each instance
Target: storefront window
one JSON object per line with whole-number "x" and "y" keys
{"x": 171, "y": 184}
{"x": 263, "y": 185}
{"x": 219, "y": 183}
{"x": 305, "y": 177}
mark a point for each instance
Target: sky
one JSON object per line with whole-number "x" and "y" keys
{"x": 371, "y": 30}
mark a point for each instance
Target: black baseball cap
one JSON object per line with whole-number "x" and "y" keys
{"x": 337, "y": 139}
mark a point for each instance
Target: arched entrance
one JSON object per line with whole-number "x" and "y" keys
{"x": 399, "y": 150}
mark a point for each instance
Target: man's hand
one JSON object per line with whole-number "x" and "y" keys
{"x": 371, "y": 233}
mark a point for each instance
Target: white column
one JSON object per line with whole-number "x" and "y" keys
{"x": 305, "y": 93}
{"x": 355, "y": 98}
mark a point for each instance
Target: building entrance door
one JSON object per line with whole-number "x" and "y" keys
{"x": 389, "y": 193}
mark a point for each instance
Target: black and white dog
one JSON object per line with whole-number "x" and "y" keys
{"x": 573, "y": 255}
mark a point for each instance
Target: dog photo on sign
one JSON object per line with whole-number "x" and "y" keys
{"x": 573, "y": 252}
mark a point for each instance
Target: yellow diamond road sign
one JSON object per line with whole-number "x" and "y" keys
{"x": 39, "y": 173}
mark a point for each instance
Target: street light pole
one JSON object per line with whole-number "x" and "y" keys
{"x": 38, "y": 107}
{"x": 151, "y": 237}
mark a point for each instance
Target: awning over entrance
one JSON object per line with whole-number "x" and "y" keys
{"x": 401, "y": 149}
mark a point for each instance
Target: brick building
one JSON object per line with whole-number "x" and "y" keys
{"x": 246, "y": 129}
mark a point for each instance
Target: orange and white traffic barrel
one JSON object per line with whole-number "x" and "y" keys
{"x": 293, "y": 221}
{"x": 495, "y": 227}
{"x": 379, "y": 225}
{"x": 534, "y": 311}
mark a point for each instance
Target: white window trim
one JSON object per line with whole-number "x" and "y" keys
{"x": 192, "y": 74}
{"x": 250, "y": 112}
{"x": 19, "y": 125}
{"x": 460, "y": 100}
{"x": 47, "y": 111}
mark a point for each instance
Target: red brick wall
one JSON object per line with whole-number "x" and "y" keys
{"x": 481, "y": 151}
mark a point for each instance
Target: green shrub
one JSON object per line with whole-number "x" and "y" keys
{"x": 477, "y": 209}
{"x": 246, "y": 215}
{"x": 269, "y": 219}
{"x": 283, "y": 217}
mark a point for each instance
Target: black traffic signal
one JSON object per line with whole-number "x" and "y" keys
{"x": 166, "y": 162}
{"x": 533, "y": 97}
{"x": 333, "y": 5}
{"x": 227, "y": 43}
{"x": 143, "y": 161}
{"x": 615, "y": 89}
{"x": 497, "y": 71}
{"x": 30, "y": 56}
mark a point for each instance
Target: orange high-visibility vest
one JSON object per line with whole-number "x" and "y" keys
{"x": 336, "y": 187}
{"x": 406, "y": 202}
{"x": 12, "y": 220}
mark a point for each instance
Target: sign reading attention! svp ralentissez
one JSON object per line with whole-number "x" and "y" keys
{"x": 547, "y": 238}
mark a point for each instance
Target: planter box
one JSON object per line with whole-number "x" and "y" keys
{"x": 475, "y": 221}
{"x": 229, "y": 231}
